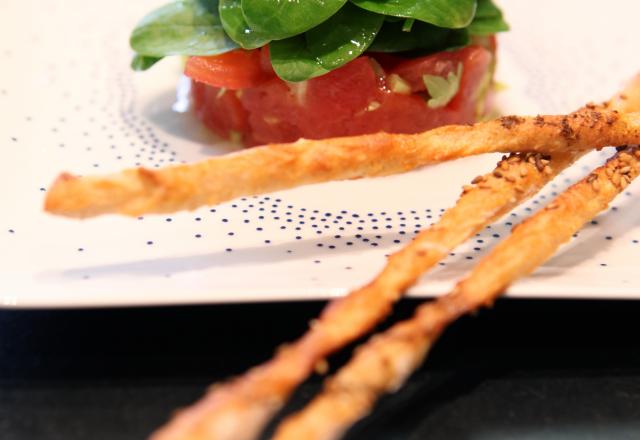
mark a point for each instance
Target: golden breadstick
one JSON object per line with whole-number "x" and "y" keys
{"x": 276, "y": 167}
{"x": 383, "y": 364}
{"x": 239, "y": 409}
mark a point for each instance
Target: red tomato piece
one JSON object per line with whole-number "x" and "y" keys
{"x": 440, "y": 64}
{"x": 333, "y": 100}
{"x": 265, "y": 61}
{"x": 489, "y": 42}
{"x": 221, "y": 111}
{"x": 274, "y": 111}
{"x": 234, "y": 70}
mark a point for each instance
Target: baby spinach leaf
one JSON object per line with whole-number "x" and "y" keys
{"x": 183, "y": 27}
{"x": 408, "y": 24}
{"x": 442, "y": 90}
{"x": 236, "y": 26}
{"x": 423, "y": 36}
{"x": 141, "y": 62}
{"x": 488, "y": 26}
{"x": 444, "y": 13}
{"x": 292, "y": 60}
{"x": 278, "y": 19}
{"x": 343, "y": 37}
{"x": 487, "y": 9}
{"x": 456, "y": 39}
{"x": 488, "y": 19}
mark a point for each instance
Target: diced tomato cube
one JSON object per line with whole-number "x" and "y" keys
{"x": 234, "y": 70}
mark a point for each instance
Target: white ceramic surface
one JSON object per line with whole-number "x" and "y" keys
{"x": 68, "y": 101}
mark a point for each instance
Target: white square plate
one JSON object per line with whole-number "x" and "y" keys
{"x": 68, "y": 101}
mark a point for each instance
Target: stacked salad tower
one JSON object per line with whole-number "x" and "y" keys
{"x": 269, "y": 71}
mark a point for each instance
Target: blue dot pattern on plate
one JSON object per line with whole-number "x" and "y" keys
{"x": 328, "y": 237}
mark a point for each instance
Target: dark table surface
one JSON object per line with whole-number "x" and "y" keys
{"x": 522, "y": 370}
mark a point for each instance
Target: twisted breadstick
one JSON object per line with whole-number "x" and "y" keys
{"x": 276, "y": 167}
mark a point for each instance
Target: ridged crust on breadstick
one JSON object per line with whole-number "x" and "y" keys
{"x": 383, "y": 364}
{"x": 276, "y": 167}
{"x": 241, "y": 408}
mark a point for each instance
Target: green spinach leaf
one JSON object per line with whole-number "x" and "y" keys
{"x": 141, "y": 62}
{"x": 487, "y": 9}
{"x": 408, "y": 24}
{"x": 292, "y": 60}
{"x": 183, "y": 27}
{"x": 236, "y": 26}
{"x": 423, "y": 36}
{"x": 278, "y": 19}
{"x": 343, "y": 37}
{"x": 453, "y": 14}
{"x": 488, "y": 20}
